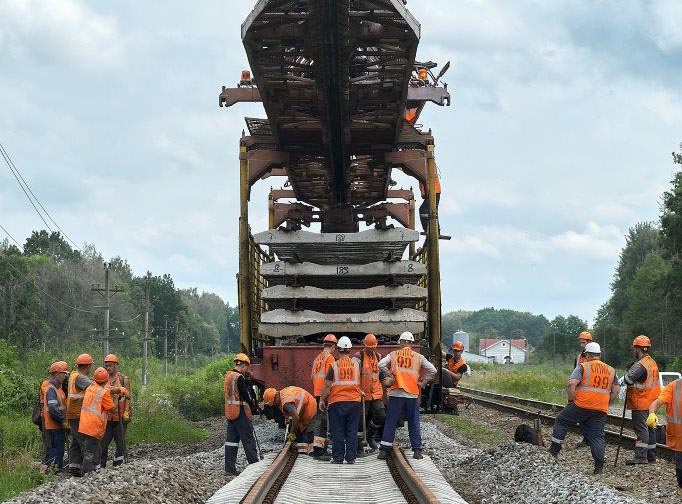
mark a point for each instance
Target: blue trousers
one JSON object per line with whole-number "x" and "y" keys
{"x": 344, "y": 418}
{"x": 402, "y": 406}
{"x": 54, "y": 444}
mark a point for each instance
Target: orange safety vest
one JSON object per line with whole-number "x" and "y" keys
{"x": 643, "y": 394}
{"x": 369, "y": 376}
{"x": 422, "y": 187}
{"x": 232, "y": 399}
{"x": 93, "y": 421}
{"x": 405, "y": 367}
{"x": 346, "y": 384}
{"x": 121, "y": 404}
{"x": 74, "y": 400}
{"x": 305, "y": 404}
{"x": 321, "y": 366}
{"x": 673, "y": 412}
{"x": 48, "y": 422}
{"x": 454, "y": 366}
{"x": 594, "y": 390}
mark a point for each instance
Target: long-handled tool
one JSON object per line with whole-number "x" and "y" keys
{"x": 622, "y": 425}
{"x": 365, "y": 447}
{"x": 121, "y": 426}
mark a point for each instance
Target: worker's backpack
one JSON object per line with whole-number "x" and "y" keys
{"x": 37, "y": 416}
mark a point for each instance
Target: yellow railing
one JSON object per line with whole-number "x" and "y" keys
{"x": 257, "y": 257}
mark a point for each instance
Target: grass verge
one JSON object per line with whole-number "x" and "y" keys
{"x": 18, "y": 475}
{"x": 155, "y": 423}
{"x": 540, "y": 382}
{"x": 471, "y": 430}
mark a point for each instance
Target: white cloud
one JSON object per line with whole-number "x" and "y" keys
{"x": 59, "y": 31}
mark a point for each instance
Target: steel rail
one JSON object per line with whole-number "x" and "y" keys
{"x": 410, "y": 484}
{"x": 533, "y": 403}
{"x": 611, "y": 436}
{"x": 268, "y": 485}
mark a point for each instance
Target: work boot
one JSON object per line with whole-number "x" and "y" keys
{"x": 382, "y": 454}
{"x": 372, "y": 444}
{"x": 337, "y": 462}
{"x": 636, "y": 461}
{"x": 322, "y": 456}
{"x": 231, "y": 472}
{"x": 350, "y": 461}
{"x": 598, "y": 469}
{"x": 554, "y": 449}
{"x": 417, "y": 454}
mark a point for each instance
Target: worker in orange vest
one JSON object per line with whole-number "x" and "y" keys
{"x": 299, "y": 408}
{"x": 370, "y": 382}
{"x": 591, "y": 387}
{"x": 79, "y": 380}
{"x": 93, "y": 421}
{"x": 643, "y": 389}
{"x": 54, "y": 417}
{"x": 671, "y": 396}
{"x": 583, "y": 339}
{"x": 342, "y": 393}
{"x": 403, "y": 369}
{"x": 239, "y": 409}
{"x": 424, "y": 207}
{"x": 119, "y": 417}
{"x": 321, "y": 366}
{"x": 457, "y": 365}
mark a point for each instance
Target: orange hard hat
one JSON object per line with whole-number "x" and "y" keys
{"x": 242, "y": 357}
{"x": 111, "y": 358}
{"x": 370, "y": 341}
{"x": 269, "y": 396}
{"x": 585, "y": 335}
{"x": 642, "y": 341}
{"x": 330, "y": 338}
{"x": 101, "y": 375}
{"x": 458, "y": 345}
{"x": 84, "y": 360}
{"x": 423, "y": 73}
{"x": 59, "y": 367}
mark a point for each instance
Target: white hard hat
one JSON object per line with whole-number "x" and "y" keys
{"x": 344, "y": 343}
{"x": 593, "y": 347}
{"x": 406, "y": 336}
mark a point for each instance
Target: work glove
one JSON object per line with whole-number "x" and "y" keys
{"x": 323, "y": 405}
{"x": 652, "y": 420}
{"x": 126, "y": 416}
{"x": 291, "y": 437}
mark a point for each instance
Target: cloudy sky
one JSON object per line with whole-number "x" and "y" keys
{"x": 559, "y": 138}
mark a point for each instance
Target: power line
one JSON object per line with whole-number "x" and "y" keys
{"x": 11, "y": 237}
{"x": 10, "y": 163}
{"x": 22, "y": 188}
{"x": 126, "y": 321}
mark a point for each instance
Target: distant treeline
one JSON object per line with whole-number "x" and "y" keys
{"x": 46, "y": 301}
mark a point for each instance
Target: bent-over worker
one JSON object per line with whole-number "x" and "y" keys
{"x": 299, "y": 408}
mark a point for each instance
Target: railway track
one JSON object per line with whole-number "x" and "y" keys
{"x": 547, "y": 412}
{"x": 293, "y": 479}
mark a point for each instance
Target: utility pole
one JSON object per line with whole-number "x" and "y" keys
{"x": 145, "y": 341}
{"x": 165, "y": 345}
{"x": 175, "y": 355}
{"x": 106, "y": 292}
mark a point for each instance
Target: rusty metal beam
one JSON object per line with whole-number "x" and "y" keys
{"x": 412, "y": 161}
{"x": 230, "y": 96}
